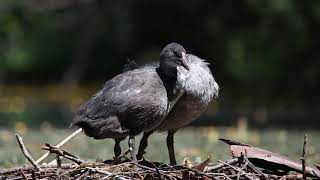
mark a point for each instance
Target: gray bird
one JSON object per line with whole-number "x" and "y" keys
{"x": 200, "y": 89}
{"x": 135, "y": 101}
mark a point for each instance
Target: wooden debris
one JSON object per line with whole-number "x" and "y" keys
{"x": 26, "y": 153}
{"x": 62, "y": 153}
{"x": 78, "y": 131}
{"x": 135, "y": 170}
{"x": 232, "y": 142}
{"x": 204, "y": 164}
{"x": 248, "y": 163}
{"x": 271, "y": 161}
{"x": 23, "y": 175}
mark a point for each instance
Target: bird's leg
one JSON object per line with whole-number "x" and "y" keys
{"x": 170, "y": 145}
{"x": 117, "y": 148}
{"x": 143, "y": 144}
{"x": 131, "y": 144}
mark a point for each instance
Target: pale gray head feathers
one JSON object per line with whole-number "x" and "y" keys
{"x": 198, "y": 81}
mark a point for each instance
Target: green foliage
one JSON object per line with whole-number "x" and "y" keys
{"x": 274, "y": 43}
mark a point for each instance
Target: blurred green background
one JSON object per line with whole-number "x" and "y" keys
{"x": 264, "y": 55}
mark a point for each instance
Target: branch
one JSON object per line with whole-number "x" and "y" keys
{"x": 26, "y": 153}
{"x": 23, "y": 174}
{"x": 62, "y": 153}
{"x": 220, "y": 165}
{"x": 60, "y": 144}
{"x": 28, "y": 168}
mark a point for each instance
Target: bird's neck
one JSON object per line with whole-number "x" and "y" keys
{"x": 167, "y": 71}
{"x": 170, "y": 82}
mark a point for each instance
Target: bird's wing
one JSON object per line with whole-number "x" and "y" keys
{"x": 137, "y": 94}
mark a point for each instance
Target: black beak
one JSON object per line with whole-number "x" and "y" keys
{"x": 184, "y": 61}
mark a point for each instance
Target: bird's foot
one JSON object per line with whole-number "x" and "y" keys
{"x": 121, "y": 158}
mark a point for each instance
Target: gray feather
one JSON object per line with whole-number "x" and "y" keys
{"x": 199, "y": 89}
{"x": 129, "y": 101}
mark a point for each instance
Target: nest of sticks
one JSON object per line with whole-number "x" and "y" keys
{"x": 247, "y": 162}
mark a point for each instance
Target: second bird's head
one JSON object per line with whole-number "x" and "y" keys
{"x": 172, "y": 56}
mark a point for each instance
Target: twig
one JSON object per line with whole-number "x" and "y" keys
{"x": 220, "y": 165}
{"x": 99, "y": 171}
{"x": 161, "y": 172}
{"x": 143, "y": 167}
{"x": 60, "y": 144}
{"x": 58, "y": 159}
{"x": 237, "y": 169}
{"x": 257, "y": 171}
{"x": 23, "y": 175}
{"x": 117, "y": 175}
{"x": 229, "y": 165}
{"x": 85, "y": 173}
{"x": 62, "y": 153}
{"x": 30, "y": 167}
{"x": 157, "y": 169}
{"x": 241, "y": 169}
{"x": 220, "y": 174}
{"x": 303, "y": 158}
{"x": 33, "y": 175}
{"x": 285, "y": 177}
{"x": 26, "y": 153}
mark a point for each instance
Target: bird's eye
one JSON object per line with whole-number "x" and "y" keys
{"x": 177, "y": 54}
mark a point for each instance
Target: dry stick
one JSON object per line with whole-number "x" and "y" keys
{"x": 148, "y": 168}
{"x": 26, "y": 153}
{"x": 303, "y": 157}
{"x": 255, "y": 169}
{"x": 99, "y": 171}
{"x": 60, "y": 144}
{"x": 220, "y": 174}
{"x": 242, "y": 168}
{"x": 121, "y": 173}
{"x": 58, "y": 159}
{"x": 30, "y": 167}
{"x": 33, "y": 175}
{"x": 237, "y": 169}
{"x": 198, "y": 172}
{"x": 85, "y": 173}
{"x": 23, "y": 174}
{"x": 290, "y": 176}
{"x": 220, "y": 165}
{"x": 158, "y": 172}
{"x": 61, "y": 153}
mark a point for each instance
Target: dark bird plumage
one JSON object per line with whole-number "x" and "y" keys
{"x": 135, "y": 101}
{"x": 200, "y": 89}
{"x": 123, "y": 105}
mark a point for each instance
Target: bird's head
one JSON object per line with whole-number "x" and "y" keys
{"x": 172, "y": 56}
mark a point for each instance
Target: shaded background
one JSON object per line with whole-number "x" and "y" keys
{"x": 264, "y": 55}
